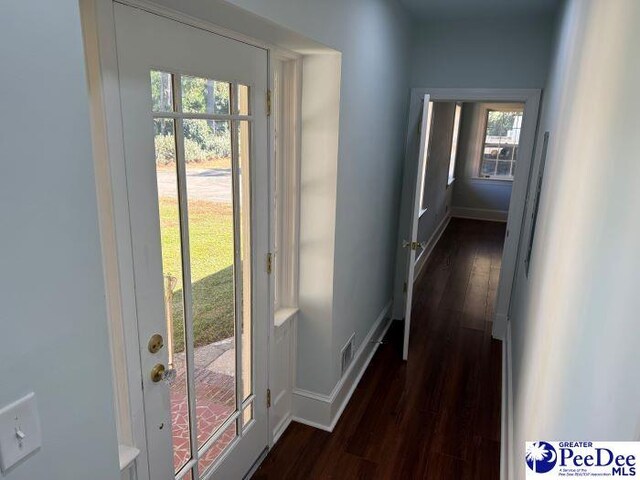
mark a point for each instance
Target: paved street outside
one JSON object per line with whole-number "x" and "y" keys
{"x": 211, "y": 184}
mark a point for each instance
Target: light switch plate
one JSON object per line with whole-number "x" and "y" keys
{"x": 19, "y": 431}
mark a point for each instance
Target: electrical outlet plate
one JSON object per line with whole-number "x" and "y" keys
{"x": 19, "y": 431}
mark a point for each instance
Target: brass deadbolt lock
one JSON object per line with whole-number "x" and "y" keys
{"x": 156, "y": 342}
{"x": 157, "y": 373}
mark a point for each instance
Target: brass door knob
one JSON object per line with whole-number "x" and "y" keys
{"x": 157, "y": 372}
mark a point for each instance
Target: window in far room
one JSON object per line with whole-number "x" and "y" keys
{"x": 501, "y": 142}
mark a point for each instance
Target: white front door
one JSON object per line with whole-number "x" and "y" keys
{"x": 196, "y": 155}
{"x": 412, "y": 244}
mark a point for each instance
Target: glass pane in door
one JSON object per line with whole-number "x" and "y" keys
{"x": 204, "y": 194}
{"x": 243, "y": 100}
{"x": 161, "y": 91}
{"x": 207, "y": 147}
{"x": 169, "y": 213}
{"x": 216, "y": 449}
{"x": 203, "y": 95}
{"x": 244, "y": 269}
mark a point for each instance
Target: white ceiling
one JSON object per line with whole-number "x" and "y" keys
{"x": 478, "y": 8}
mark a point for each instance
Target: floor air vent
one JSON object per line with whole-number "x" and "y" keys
{"x": 347, "y": 354}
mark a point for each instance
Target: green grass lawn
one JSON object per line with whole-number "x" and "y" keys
{"x": 211, "y": 245}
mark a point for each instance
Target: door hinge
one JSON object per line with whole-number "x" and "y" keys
{"x": 413, "y": 245}
{"x": 268, "y": 103}
{"x": 269, "y": 262}
{"x": 268, "y": 398}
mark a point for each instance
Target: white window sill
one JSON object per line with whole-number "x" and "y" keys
{"x": 492, "y": 179}
{"x": 283, "y": 315}
{"x": 127, "y": 456}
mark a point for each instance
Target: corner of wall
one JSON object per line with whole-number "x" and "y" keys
{"x": 321, "y": 78}
{"x": 323, "y": 411}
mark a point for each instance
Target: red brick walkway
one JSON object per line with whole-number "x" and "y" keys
{"x": 215, "y": 401}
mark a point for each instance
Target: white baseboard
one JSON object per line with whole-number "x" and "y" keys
{"x": 428, "y": 249}
{"x": 499, "y": 331}
{"x": 323, "y": 411}
{"x": 281, "y": 427}
{"x": 506, "y": 426}
{"x": 256, "y": 465}
{"x": 480, "y": 214}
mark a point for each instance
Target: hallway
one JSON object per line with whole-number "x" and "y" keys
{"x": 438, "y": 415}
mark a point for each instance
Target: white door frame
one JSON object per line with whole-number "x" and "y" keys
{"x": 102, "y": 71}
{"x": 531, "y": 100}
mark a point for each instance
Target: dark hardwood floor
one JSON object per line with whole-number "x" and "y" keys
{"x": 436, "y": 416}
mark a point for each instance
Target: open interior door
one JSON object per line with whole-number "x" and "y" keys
{"x": 412, "y": 245}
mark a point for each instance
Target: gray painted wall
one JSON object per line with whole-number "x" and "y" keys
{"x": 574, "y": 321}
{"x": 505, "y": 52}
{"x": 437, "y": 196}
{"x": 469, "y": 191}
{"x": 54, "y": 338}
